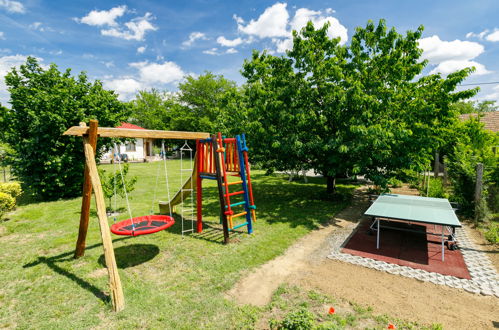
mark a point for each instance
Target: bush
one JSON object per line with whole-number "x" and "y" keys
{"x": 112, "y": 183}
{"x": 11, "y": 188}
{"x": 7, "y": 203}
{"x": 437, "y": 189}
{"x": 299, "y": 320}
{"x": 395, "y": 183}
{"x": 45, "y": 102}
{"x": 492, "y": 234}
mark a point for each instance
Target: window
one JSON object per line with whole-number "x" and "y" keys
{"x": 130, "y": 147}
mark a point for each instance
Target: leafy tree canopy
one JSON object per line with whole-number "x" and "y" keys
{"x": 465, "y": 107}
{"x": 151, "y": 109}
{"x": 355, "y": 108}
{"x": 45, "y": 102}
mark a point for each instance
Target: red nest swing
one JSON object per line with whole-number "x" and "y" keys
{"x": 147, "y": 224}
{"x": 143, "y": 225}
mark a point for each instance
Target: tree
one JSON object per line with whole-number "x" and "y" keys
{"x": 151, "y": 109}
{"x": 45, "y": 102}
{"x": 465, "y": 107}
{"x": 201, "y": 102}
{"x": 112, "y": 184}
{"x": 356, "y": 109}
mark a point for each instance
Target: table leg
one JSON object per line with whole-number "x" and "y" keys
{"x": 377, "y": 234}
{"x": 443, "y": 250}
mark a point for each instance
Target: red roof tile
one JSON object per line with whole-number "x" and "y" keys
{"x": 490, "y": 119}
{"x": 128, "y": 125}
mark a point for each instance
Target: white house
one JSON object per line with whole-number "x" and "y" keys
{"x": 140, "y": 150}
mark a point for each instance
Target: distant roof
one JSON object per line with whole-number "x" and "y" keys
{"x": 490, "y": 119}
{"x": 128, "y": 125}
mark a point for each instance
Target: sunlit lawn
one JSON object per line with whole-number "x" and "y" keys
{"x": 169, "y": 280}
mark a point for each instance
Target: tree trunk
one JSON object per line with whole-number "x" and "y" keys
{"x": 331, "y": 184}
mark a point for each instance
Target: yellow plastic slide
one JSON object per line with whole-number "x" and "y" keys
{"x": 185, "y": 191}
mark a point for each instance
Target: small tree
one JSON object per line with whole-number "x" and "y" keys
{"x": 112, "y": 184}
{"x": 45, "y": 102}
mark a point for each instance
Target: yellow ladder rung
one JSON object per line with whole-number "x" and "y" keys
{"x": 235, "y": 182}
{"x": 239, "y": 214}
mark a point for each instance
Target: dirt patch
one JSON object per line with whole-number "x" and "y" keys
{"x": 305, "y": 264}
{"x": 98, "y": 273}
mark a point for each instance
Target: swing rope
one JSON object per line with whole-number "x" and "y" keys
{"x": 124, "y": 189}
{"x": 166, "y": 177}
{"x": 155, "y": 188}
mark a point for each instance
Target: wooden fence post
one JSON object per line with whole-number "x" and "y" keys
{"x": 478, "y": 188}
{"x": 436, "y": 165}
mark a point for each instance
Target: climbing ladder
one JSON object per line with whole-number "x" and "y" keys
{"x": 187, "y": 201}
{"x": 219, "y": 159}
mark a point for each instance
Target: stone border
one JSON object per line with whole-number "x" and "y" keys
{"x": 484, "y": 278}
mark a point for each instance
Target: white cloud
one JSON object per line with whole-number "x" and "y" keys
{"x": 229, "y": 43}
{"x": 217, "y": 52}
{"x": 436, "y": 50}
{"x": 2, "y": 36}
{"x": 148, "y": 75}
{"x": 212, "y": 51}
{"x": 6, "y": 65}
{"x": 141, "y": 49}
{"x": 494, "y": 36}
{"x": 450, "y": 66}
{"x": 193, "y": 37}
{"x": 450, "y": 56}
{"x": 108, "y": 64}
{"x": 272, "y": 23}
{"x": 164, "y": 73}
{"x": 135, "y": 29}
{"x": 12, "y": 6}
{"x": 39, "y": 26}
{"x": 125, "y": 87}
{"x": 494, "y": 95}
{"x": 103, "y": 17}
{"x": 477, "y": 35}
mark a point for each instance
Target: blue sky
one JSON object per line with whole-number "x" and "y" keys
{"x": 133, "y": 45}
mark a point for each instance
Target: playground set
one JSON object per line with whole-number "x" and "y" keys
{"x": 217, "y": 158}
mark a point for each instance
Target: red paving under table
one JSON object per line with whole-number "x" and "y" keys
{"x": 408, "y": 249}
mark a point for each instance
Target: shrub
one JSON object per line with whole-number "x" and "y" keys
{"x": 492, "y": 234}
{"x": 437, "y": 189}
{"x": 112, "y": 183}
{"x": 395, "y": 183}
{"x": 299, "y": 320}
{"x": 7, "y": 203}
{"x": 11, "y": 188}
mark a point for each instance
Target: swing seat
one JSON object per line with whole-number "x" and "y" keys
{"x": 147, "y": 224}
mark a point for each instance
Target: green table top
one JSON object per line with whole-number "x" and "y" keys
{"x": 430, "y": 210}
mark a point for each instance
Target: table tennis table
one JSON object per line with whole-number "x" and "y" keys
{"x": 413, "y": 210}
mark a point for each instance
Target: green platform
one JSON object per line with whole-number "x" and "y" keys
{"x": 429, "y": 210}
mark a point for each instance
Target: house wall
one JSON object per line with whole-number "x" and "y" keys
{"x": 138, "y": 154}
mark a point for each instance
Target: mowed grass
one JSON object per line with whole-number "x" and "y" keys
{"x": 169, "y": 281}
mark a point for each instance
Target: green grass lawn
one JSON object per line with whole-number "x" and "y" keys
{"x": 169, "y": 281}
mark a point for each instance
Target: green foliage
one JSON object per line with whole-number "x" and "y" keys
{"x": 394, "y": 182}
{"x": 348, "y": 109}
{"x": 436, "y": 189}
{"x": 151, "y": 109}
{"x": 202, "y": 103}
{"x": 473, "y": 146}
{"x": 492, "y": 233}
{"x": 298, "y": 320}
{"x": 11, "y": 188}
{"x": 465, "y": 107}
{"x": 112, "y": 183}
{"x": 7, "y": 203}
{"x": 45, "y": 102}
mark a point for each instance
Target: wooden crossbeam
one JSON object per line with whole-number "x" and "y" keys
{"x": 137, "y": 133}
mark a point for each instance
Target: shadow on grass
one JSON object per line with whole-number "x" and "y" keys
{"x": 52, "y": 263}
{"x": 280, "y": 201}
{"x": 132, "y": 255}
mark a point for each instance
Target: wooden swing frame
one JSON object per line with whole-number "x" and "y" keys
{"x": 92, "y": 182}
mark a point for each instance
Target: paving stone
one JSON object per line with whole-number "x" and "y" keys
{"x": 471, "y": 289}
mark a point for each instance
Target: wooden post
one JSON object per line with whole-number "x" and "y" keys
{"x": 436, "y": 165}
{"x": 87, "y": 193}
{"x": 445, "y": 170}
{"x": 117, "y": 297}
{"x": 478, "y": 188}
{"x": 218, "y": 168}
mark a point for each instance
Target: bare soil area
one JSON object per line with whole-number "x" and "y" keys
{"x": 305, "y": 264}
